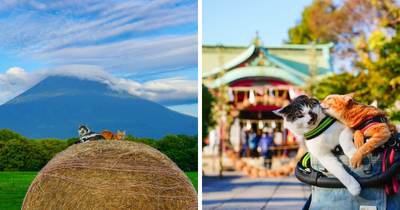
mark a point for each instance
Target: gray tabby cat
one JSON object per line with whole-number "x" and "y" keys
{"x": 304, "y": 116}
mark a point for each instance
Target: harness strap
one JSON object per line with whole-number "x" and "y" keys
{"x": 322, "y": 126}
{"x": 305, "y": 160}
{"x": 393, "y": 142}
{"x": 369, "y": 121}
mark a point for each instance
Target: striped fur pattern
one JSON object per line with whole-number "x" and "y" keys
{"x": 351, "y": 113}
{"x": 91, "y": 136}
{"x": 108, "y": 135}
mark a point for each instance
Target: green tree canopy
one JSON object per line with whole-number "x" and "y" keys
{"x": 207, "y": 117}
{"x": 366, "y": 37}
{"x": 19, "y": 154}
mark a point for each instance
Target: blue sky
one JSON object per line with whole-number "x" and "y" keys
{"x": 148, "y": 48}
{"x": 236, "y": 22}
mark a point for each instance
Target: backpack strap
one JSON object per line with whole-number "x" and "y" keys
{"x": 392, "y": 187}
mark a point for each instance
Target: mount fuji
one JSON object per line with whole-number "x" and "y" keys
{"x": 55, "y": 107}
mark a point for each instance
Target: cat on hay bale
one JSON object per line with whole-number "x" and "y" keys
{"x": 108, "y": 135}
{"x": 87, "y": 135}
{"x": 83, "y": 130}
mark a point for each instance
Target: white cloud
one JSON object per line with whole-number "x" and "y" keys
{"x": 125, "y": 37}
{"x": 140, "y": 39}
{"x": 171, "y": 91}
{"x": 39, "y": 31}
{"x": 178, "y": 88}
{"x": 138, "y": 55}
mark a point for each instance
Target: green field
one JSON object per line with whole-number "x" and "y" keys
{"x": 193, "y": 178}
{"x": 14, "y": 185}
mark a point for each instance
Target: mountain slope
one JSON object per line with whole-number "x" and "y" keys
{"x": 54, "y": 107}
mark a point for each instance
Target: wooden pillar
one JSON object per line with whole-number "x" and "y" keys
{"x": 236, "y": 97}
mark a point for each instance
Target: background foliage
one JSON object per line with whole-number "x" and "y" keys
{"x": 366, "y": 48}
{"x": 20, "y": 154}
{"x": 207, "y": 118}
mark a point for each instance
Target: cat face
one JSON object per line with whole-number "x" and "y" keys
{"x": 335, "y": 105}
{"x": 83, "y": 130}
{"x": 120, "y": 135}
{"x": 302, "y": 115}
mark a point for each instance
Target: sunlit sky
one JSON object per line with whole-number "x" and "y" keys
{"x": 236, "y": 22}
{"x": 148, "y": 48}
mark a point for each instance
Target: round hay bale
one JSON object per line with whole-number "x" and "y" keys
{"x": 111, "y": 175}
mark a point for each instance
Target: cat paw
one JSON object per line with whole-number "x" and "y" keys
{"x": 356, "y": 160}
{"x": 354, "y": 189}
{"x": 358, "y": 139}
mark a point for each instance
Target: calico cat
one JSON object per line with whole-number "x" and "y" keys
{"x": 352, "y": 113}
{"x": 304, "y": 116}
{"x": 83, "y": 129}
{"x": 108, "y": 135}
{"x": 87, "y": 135}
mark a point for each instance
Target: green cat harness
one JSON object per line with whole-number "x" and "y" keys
{"x": 305, "y": 160}
{"x": 322, "y": 126}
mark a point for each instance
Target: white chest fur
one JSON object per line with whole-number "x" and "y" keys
{"x": 322, "y": 145}
{"x": 328, "y": 140}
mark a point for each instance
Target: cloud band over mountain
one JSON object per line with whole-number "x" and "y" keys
{"x": 147, "y": 48}
{"x": 170, "y": 91}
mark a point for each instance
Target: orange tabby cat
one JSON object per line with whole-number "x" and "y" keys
{"x": 352, "y": 113}
{"x": 108, "y": 135}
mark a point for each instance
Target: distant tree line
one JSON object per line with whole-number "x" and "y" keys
{"x": 18, "y": 153}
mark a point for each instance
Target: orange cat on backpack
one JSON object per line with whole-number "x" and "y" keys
{"x": 353, "y": 114}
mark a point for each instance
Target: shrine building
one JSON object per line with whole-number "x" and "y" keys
{"x": 262, "y": 79}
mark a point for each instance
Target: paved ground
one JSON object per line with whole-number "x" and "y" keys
{"x": 211, "y": 165}
{"x": 235, "y": 191}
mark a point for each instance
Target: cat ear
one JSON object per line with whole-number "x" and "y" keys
{"x": 279, "y": 112}
{"x": 124, "y": 132}
{"x": 349, "y": 97}
{"x": 87, "y": 126}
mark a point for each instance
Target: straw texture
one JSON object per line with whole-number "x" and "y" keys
{"x": 111, "y": 175}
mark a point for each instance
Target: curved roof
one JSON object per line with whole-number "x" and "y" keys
{"x": 257, "y": 71}
{"x": 289, "y": 63}
{"x": 234, "y": 62}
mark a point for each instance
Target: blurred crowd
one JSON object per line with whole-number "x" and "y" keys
{"x": 268, "y": 143}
